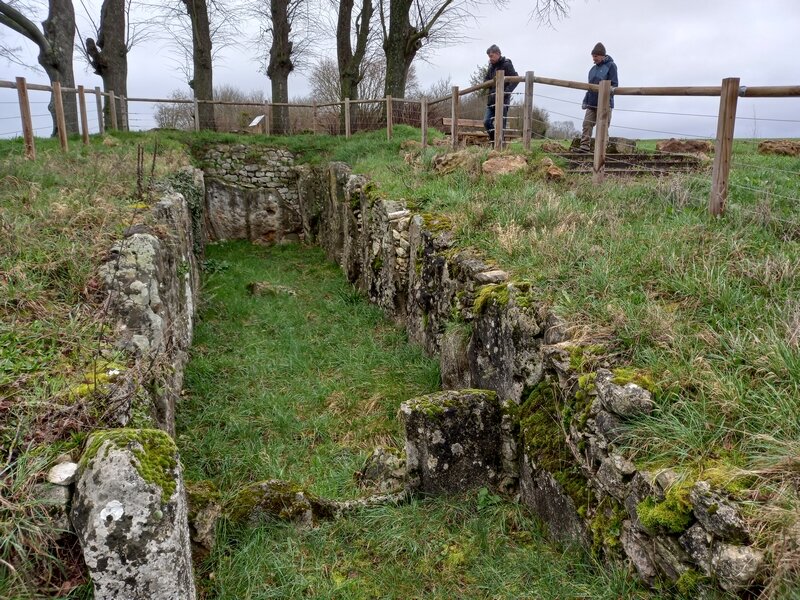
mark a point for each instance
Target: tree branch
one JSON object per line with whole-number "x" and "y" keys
{"x": 12, "y": 18}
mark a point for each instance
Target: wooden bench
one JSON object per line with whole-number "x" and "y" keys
{"x": 471, "y": 131}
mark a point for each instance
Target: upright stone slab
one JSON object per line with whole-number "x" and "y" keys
{"x": 130, "y": 514}
{"x": 453, "y": 440}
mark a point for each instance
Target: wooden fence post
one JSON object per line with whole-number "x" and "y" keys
{"x": 27, "y": 123}
{"x": 265, "y": 115}
{"x": 423, "y": 121}
{"x": 84, "y": 116}
{"x": 98, "y": 96}
{"x": 61, "y": 123}
{"x": 527, "y": 111}
{"x": 454, "y": 112}
{"x": 601, "y": 132}
{"x": 389, "y": 116}
{"x": 112, "y": 109}
{"x": 499, "y": 108}
{"x": 347, "y": 118}
{"x": 314, "y": 117}
{"x": 196, "y": 115}
{"x": 729, "y": 96}
{"x": 124, "y": 117}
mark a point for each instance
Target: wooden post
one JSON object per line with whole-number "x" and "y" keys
{"x": 454, "y": 111}
{"x": 347, "y": 118}
{"x": 196, "y": 115}
{"x": 499, "y": 107}
{"x": 123, "y": 109}
{"x": 601, "y": 132}
{"x": 728, "y": 98}
{"x": 314, "y": 118}
{"x": 112, "y": 109}
{"x": 269, "y": 118}
{"x": 27, "y": 123}
{"x": 527, "y": 111}
{"x": 423, "y": 121}
{"x": 98, "y": 96}
{"x": 265, "y": 118}
{"x": 389, "y": 117}
{"x": 84, "y": 116}
{"x": 61, "y": 123}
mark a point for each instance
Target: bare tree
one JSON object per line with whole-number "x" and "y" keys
{"x": 285, "y": 36}
{"x": 108, "y": 56}
{"x": 409, "y": 25}
{"x": 55, "y": 42}
{"x": 202, "y": 82}
{"x": 544, "y": 11}
{"x": 350, "y": 61}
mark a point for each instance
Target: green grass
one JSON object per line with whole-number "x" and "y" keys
{"x": 296, "y": 387}
{"x": 302, "y": 388}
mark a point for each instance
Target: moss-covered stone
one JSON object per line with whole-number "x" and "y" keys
{"x": 606, "y": 527}
{"x": 277, "y": 500}
{"x": 672, "y": 515}
{"x": 155, "y": 452}
{"x": 583, "y": 358}
{"x": 626, "y": 375}
{"x": 689, "y": 583}
{"x": 543, "y": 441}
{"x": 436, "y": 223}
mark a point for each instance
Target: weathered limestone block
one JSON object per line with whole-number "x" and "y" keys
{"x": 234, "y": 212}
{"x": 697, "y": 543}
{"x": 717, "y": 515}
{"x": 452, "y": 440}
{"x": 331, "y": 235}
{"x": 735, "y": 567}
{"x": 626, "y": 401}
{"x": 311, "y": 190}
{"x": 540, "y": 492}
{"x": 352, "y": 209}
{"x": 432, "y": 288}
{"x": 638, "y": 548}
{"x": 130, "y": 514}
{"x": 454, "y": 359}
{"x": 505, "y": 349}
{"x": 384, "y": 472}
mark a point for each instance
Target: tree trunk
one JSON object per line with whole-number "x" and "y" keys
{"x": 109, "y": 56}
{"x": 351, "y": 70}
{"x": 55, "y": 42}
{"x": 400, "y": 46}
{"x": 280, "y": 64}
{"x": 202, "y": 82}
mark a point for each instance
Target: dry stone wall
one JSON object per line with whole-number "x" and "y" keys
{"x": 558, "y": 438}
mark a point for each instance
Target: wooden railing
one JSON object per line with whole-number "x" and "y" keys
{"x": 729, "y": 92}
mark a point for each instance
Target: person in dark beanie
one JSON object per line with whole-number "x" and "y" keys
{"x": 497, "y": 62}
{"x": 604, "y": 68}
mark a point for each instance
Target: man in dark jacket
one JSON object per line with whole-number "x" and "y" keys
{"x": 604, "y": 68}
{"x": 497, "y": 62}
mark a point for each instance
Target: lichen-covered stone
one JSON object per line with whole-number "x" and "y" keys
{"x": 735, "y": 567}
{"x": 384, "y": 472}
{"x": 454, "y": 360}
{"x": 452, "y": 440}
{"x": 205, "y": 510}
{"x": 716, "y": 514}
{"x": 130, "y": 514}
{"x": 505, "y": 349}
{"x": 63, "y": 473}
{"x": 697, "y": 543}
{"x": 627, "y": 400}
{"x": 638, "y": 549}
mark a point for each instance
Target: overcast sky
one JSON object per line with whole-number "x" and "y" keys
{"x": 653, "y": 42}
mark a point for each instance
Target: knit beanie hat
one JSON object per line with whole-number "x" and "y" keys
{"x": 599, "y": 49}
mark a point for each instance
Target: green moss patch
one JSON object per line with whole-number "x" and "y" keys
{"x": 155, "y": 452}
{"x": 673, "y": 514}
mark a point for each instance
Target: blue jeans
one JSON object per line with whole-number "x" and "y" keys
{"x": 488, "y": 120}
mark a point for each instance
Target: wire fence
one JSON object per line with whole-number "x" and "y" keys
{"x": 527, "y": 112}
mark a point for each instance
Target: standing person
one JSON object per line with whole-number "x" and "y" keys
{"x": 604, "y": 68}
{"x": 497, "y": 62}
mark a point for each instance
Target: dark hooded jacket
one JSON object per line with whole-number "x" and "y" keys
{"x": 505, "y": 65}
{"x": 605, "y": 70}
